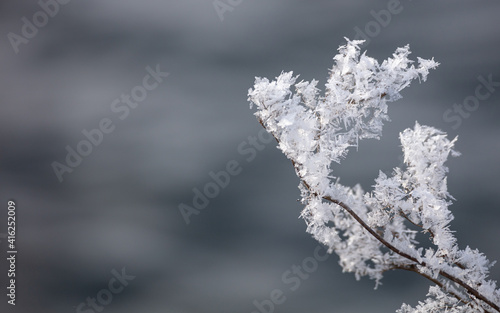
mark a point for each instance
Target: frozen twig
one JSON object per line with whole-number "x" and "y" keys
{"x": 374, "y": 232}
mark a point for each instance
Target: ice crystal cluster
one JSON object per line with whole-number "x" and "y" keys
{"x": 373, "y": 232}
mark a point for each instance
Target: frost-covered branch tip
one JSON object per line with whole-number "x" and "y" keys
{"x": 376, "y": 231}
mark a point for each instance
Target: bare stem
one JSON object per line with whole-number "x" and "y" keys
{"x": 469, "y": 289}
{"x": 413, "y": 268}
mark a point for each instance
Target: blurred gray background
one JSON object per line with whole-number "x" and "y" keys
{"x": 119, "y": 208}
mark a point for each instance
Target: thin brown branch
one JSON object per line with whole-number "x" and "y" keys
{"x": 458, "y": 264}
{"x": 412, "y": 268}
{"x": 370, "y": 230}
{"x": 469, "y": 289}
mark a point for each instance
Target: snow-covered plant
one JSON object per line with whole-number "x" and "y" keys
{"x": 376, "y": 231}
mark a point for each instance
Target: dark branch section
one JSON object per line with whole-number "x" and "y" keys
{"x": 469, "y": 289}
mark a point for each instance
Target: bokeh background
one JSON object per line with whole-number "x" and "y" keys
{"x": 119, "y": 208}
